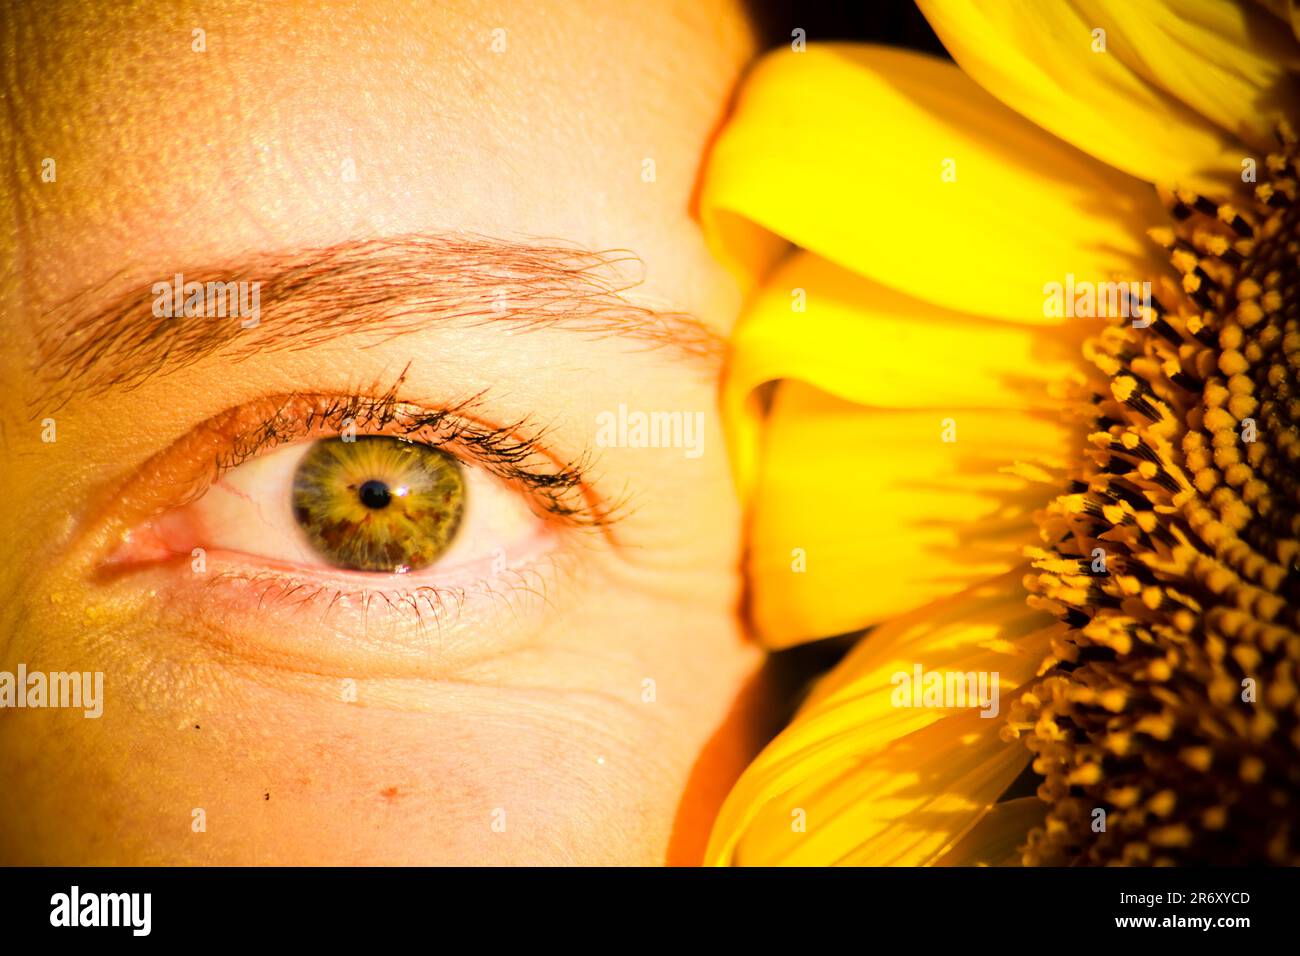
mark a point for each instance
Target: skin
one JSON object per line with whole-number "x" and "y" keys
{"x": 537, "y": 708}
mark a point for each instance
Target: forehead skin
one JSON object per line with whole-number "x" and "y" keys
{"x": 508, "y": 120}
{"x": 168, "y": 157}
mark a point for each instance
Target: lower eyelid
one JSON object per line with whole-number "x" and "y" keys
{"x": 158, "y": 546}
{"x": 327, "y": 625}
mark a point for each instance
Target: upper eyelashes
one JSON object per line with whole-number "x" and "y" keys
{"x": 561, "y": 489}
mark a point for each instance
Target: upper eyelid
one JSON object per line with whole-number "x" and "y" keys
{"x": 183, "y": 471}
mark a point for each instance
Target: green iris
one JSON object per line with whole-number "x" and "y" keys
{"x": 378, "y": 503}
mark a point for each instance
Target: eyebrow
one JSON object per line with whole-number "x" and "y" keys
{"x": 381, "y": 288}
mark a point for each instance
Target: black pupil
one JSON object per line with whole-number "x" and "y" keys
{"x": 374, "y": 494}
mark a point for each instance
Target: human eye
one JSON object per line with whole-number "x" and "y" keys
{"x": 323, "y": 528}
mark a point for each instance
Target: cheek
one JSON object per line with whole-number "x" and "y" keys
{"x": 301, "y": 776}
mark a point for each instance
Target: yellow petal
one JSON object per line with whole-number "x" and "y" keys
{"x": 922, "y": 181}
{"x": 860, "y": 514}
{"x": 997, "y": 838}
{"x": 858, "y": 779}
{"x": 1226, "y": 61}
{"x": 1151, "y": 102}
{"x": 864, "y": 342}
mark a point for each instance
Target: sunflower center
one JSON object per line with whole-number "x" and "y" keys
{"x": 1165, "y": 724}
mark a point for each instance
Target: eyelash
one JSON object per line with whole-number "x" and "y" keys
{"x": 443, "y": 603}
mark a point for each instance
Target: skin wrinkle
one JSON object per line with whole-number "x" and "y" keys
{"x": 381, "y": 286}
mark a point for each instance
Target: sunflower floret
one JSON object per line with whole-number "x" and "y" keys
{"x": 1166, "y": 731}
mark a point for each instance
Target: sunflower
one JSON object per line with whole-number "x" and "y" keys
{"x": 946, "y": 445}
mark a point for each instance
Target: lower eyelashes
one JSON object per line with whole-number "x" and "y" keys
{"x": 326, "y": 625}
{"x": 377, "y": 503}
